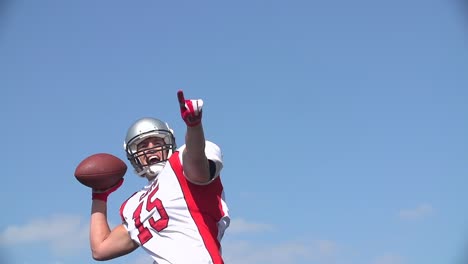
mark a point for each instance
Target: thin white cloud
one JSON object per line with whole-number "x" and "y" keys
{"x": 419, "y": 212}
{"x": 244, "y": 252}
{"x": 389, "y": 259}
{"x": 65, "y": 235}
{"x": 68, "y": 235}
{"x": 326, "y": 247}
{"x": 142, "y": 259}
{"x": 240, "y": 225}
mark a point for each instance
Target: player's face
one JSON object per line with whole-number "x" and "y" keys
{"x": 151, "y": 151}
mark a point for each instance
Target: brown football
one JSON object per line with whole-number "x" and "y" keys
{"x": 100, "y": 171}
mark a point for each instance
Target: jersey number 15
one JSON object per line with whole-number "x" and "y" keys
{"x": 158, "y": 225}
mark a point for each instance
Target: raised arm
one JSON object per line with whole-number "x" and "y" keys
{"x": 196, "y": 165}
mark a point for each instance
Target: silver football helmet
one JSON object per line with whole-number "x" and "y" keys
{"x": 140, "y": 130}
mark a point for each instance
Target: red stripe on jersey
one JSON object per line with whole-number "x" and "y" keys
{"x": 204, "y": 204}
{"x": 123, "y": 206}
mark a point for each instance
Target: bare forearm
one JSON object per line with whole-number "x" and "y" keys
{"x": 99, "y": 229}
{"x": 196, "y": 166}
{"x": 107, "y": 244}
{"x": 195, "y": 140}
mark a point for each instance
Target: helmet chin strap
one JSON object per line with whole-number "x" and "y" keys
{"x": 150, "y": 172}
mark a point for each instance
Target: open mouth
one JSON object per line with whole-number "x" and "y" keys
{"x": 153, "y": 160}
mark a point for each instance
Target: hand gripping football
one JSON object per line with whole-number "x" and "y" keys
{"x": 100, "y": 171}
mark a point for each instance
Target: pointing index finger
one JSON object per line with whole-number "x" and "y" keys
{"x": 180, "y": 97}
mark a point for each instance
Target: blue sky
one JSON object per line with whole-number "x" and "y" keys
{"x": 343, "y": 123}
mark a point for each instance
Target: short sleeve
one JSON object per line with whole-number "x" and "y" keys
{"x": 213, "y": 153}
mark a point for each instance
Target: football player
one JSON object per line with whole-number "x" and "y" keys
{"x": 180, "y": 215}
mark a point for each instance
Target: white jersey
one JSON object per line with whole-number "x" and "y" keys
{"x": 177, "y": 221}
